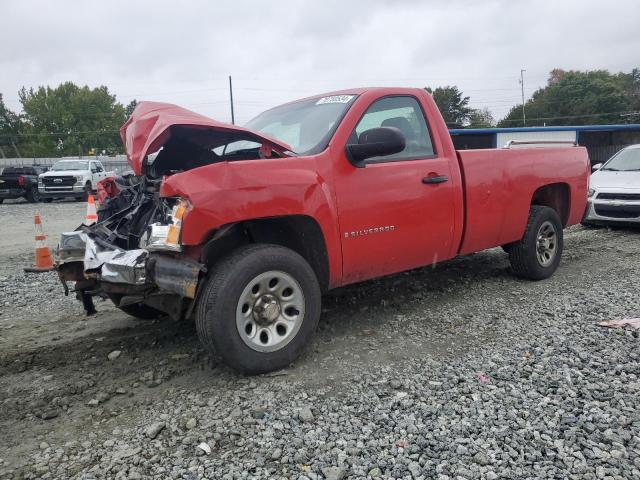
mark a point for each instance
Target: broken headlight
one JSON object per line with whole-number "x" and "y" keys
{"x": 166, "y": 236}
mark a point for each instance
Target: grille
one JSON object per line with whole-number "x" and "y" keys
{"x": 623, "y": 211}
{"x": 619, "y": 196}
{"x": 64, "y": 181}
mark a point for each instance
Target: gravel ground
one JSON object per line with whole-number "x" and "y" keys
{"x": 457, "y": 372}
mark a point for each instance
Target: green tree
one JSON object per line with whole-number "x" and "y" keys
{"x": 9, "y": 131}
{"x": 452, "y": 104}
{"x": 575, "y": 98}
{"x": 71, "y": 120}
{"x": 630, "y": 83}
{"x": 481, "y": 118}
{"x": 131, "y": 106}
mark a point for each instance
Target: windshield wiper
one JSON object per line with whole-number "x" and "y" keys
{"x": 610, "y": 169}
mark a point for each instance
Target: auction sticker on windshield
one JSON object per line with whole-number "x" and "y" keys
{"x": 335, "y": 99}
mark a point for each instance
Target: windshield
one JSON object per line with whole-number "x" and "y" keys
{"x": 627, "y": 160}
{"x": 306, "y": 126}
{"x": 66, "y": 165}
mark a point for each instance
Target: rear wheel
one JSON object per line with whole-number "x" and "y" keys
{"x": 1, "y": 200}
{"x": 33, "y": 195}
{"x": 538, "y": 254}
{"x": 259, "y": 309}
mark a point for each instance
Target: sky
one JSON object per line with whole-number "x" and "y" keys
{"x": 280, "y": 50}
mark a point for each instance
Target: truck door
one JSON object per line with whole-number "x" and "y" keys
{"x": 396, "y": 212}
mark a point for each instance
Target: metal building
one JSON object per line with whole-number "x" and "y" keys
{"x": 602, "y": 141}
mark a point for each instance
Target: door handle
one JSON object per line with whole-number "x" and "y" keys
{"x": 435, "y": 179}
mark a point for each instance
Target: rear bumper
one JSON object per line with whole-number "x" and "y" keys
{"x": 612, "y": 211}
{"x": 61, "y": 192}
{"x": 12, "y": 192}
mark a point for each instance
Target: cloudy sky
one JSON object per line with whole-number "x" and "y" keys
{"x": 182, "y": 52}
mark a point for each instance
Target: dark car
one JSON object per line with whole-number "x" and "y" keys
{"x": 16, "y": 182}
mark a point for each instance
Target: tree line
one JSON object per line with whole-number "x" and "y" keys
{"x": 67, "y": 120}
{"x": 70, "y": 120}
{"x": 570, "y": 97}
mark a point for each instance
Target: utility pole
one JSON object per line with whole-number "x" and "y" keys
{"x": 524, "y": 117}
{"x": 233, "y": 120}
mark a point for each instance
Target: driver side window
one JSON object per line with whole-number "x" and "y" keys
{"x": 405, "y": 114}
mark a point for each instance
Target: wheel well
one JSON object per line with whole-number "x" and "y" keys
{"x": 556, "y": 196}
{"x": 300, "y": 233}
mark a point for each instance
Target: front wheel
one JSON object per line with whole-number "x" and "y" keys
{"x": 259, "y": 309}
{"x": 537, "y": 255}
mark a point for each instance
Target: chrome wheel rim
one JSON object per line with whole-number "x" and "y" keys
{"x": 546, "y": 244}
{"x": 270, "y": 311}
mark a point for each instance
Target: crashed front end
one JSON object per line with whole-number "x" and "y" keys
{"x": 133, "y": 254}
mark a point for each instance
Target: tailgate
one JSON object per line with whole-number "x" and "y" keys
{"x": 10, "y": 182}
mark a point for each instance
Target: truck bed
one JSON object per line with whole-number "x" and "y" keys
{"x": 499, "y": 185}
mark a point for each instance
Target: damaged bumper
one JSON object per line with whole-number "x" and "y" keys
{"x": 138, "y": 274}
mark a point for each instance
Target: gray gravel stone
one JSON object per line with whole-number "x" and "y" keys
{"x": 305, "y": 414}
{"x": 154, "y": 429}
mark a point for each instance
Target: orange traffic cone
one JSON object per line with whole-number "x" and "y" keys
{"x": 44, "y": 262}
{"x": 92, "y": 214}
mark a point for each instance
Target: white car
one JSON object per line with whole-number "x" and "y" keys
{"x": 71, "y": 178}
{"x": 614, "y": 189}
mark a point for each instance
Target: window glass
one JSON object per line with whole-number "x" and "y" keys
{"x": 405, "y": 114}
{"x": 306, "y": 125}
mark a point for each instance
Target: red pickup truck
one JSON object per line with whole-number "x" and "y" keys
{"x": 245, "y": 228}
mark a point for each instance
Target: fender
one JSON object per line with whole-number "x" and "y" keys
{"x": 231, "y": 192}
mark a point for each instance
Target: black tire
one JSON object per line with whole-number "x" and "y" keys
{"x": 47, "y": 200}
{"x": 219, "y": 303}
{"x": 87, "y": 191}
{"x": 1, "y": 200}
{"x": 33, "y": 195}
{"x": 524, "y": 255}
{"x": 142, "y": 311}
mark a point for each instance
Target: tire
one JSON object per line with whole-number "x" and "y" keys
{"x": 260, "y": 307}
{"x": 33, "y": 195}
{"x": 87, "y": 191}
{"x": 141, "y": 311}
{"x": 534, "y": 258}
{"x": 47, "y": 200}
{"x": 1, "y": 200}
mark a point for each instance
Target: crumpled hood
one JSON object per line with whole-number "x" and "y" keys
{"x": 611, "y": 179}
{"x": 148, "y": 128}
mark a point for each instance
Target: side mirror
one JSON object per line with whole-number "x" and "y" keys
{"x": 376, "y": 142}
{"x": 595, "y": 167}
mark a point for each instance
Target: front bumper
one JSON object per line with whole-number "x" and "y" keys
{"x": 61, "y": 192}
{"x": 613, "y": 207}
{"x": 139, "y": 274}
{"x": 12, "y": 192}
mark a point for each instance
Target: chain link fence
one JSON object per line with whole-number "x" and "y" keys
{"x": 117, "y": 164}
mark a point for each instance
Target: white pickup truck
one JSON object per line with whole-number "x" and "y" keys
{"x": 71, "y": 178}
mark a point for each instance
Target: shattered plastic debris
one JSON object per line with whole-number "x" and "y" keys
{"x": 482, "y": 378}
{"x": 625, "y": 322}
{"x": 205, "y": 448}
